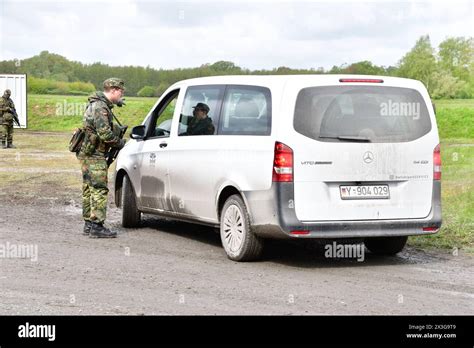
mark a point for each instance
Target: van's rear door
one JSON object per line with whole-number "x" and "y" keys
{"x": 362, "y": 152}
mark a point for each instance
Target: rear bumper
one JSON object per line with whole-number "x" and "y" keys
{"x": 273, "y": 216}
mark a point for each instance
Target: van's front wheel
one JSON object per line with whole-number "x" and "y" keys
{"x": 238, "y": 240}
{"x": 131, "y": 216}
{"x": 386, "y": 245}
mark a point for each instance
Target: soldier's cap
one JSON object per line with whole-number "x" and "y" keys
{"x": 7, "y": 91}
{"x": 114, "y": 82}
{"x": 201, "y": 106}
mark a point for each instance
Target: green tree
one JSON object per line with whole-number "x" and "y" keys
{"x": 450, "y": 67}
{"x": 456, "y": 55}
{"x": 161, "y": 89}
{"x": 365, "y": 68}
{"x": 419, "y": 63}
{"x": 223, "y": 66}
{"x": 283, "y": 70}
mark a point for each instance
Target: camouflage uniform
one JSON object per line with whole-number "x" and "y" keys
{"x": 98, "y": 140}
{"x": 6, "y": 119}
{"x": 200, "y": 127}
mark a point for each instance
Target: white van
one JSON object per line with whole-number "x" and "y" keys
{"x": 306, "y": 156}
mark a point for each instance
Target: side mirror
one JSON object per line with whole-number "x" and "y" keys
{"x": 138, "y": 132}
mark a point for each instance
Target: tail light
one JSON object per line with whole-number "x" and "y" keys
{"x": 437, "y": 163}
{"x": 300, "y": 232}
{"x": 283, "y": 163}
{"x": 362, "y": 80}
{"x": 431, "y": 229}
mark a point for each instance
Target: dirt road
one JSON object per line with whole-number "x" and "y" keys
{"x": 178, "y": 268}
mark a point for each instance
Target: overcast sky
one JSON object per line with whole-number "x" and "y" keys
{"x": 252, "y": 34}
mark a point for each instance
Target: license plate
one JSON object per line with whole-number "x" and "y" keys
{"x": 364, "y": 191}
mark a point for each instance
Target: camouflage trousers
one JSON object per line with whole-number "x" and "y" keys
{"x": 6, "y": 133}
{"x": 94, "y": 189}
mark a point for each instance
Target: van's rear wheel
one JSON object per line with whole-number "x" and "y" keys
{"x": 385, "y": 245}
{"x": 131, "y": 216}
{"x": 238, "y": 240}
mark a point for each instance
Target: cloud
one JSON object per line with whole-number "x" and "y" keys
{"x": 254, "y": 35}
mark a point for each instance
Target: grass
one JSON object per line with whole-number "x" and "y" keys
{"x": 56, "y": 113}
{"x": 455, "y": 123}
{"x": 456, "y": 129}
{"x": 457, "y": 194}
{"x": 454, "y": 103}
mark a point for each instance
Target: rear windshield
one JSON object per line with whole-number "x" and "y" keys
{"x": 361, "y": 113}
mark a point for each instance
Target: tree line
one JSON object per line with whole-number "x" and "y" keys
{"x": 447, "y": 71}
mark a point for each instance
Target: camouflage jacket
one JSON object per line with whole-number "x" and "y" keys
{"x": 200, "y": 127}
{"x": 5, "y": 105}
{"x": 98, "y": 123}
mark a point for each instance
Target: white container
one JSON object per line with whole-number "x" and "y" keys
{"x": 17, "y": 84}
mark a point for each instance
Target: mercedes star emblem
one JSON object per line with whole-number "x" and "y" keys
{"x": 368, "y": 157}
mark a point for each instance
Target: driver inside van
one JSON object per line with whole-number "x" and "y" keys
{"x": 200, "y": 123}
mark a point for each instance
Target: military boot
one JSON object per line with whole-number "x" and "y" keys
{"x": 100, "y": 231}
{"x": 4, "y": 144}
{"x": 11, "y": 146}
{"x": 87, "y": 228}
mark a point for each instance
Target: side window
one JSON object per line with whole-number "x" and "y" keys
{"x": 247, "y": 110}
{"x": 200, "y": 112}
{"x": 159, "y": 124}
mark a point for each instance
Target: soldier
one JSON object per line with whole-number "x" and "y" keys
{"x": 98, "y": 140}
{"x": 200, "y": 123}
{"x": 6, "y": 120}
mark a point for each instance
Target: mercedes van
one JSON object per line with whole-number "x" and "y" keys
{"x": 329, "y": 157}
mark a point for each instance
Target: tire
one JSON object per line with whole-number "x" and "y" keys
{"x": 386, "y": 245}
{"x": 131, "y": 216}
{"x": 238, "y": 240}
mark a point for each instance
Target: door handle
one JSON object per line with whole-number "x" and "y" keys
{"x": 163, "y": 145}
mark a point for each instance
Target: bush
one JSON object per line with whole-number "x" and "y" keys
{"x": 446, "y": 86}
{"x": 147, "y": 91}
{"x": 45, "y": 86}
